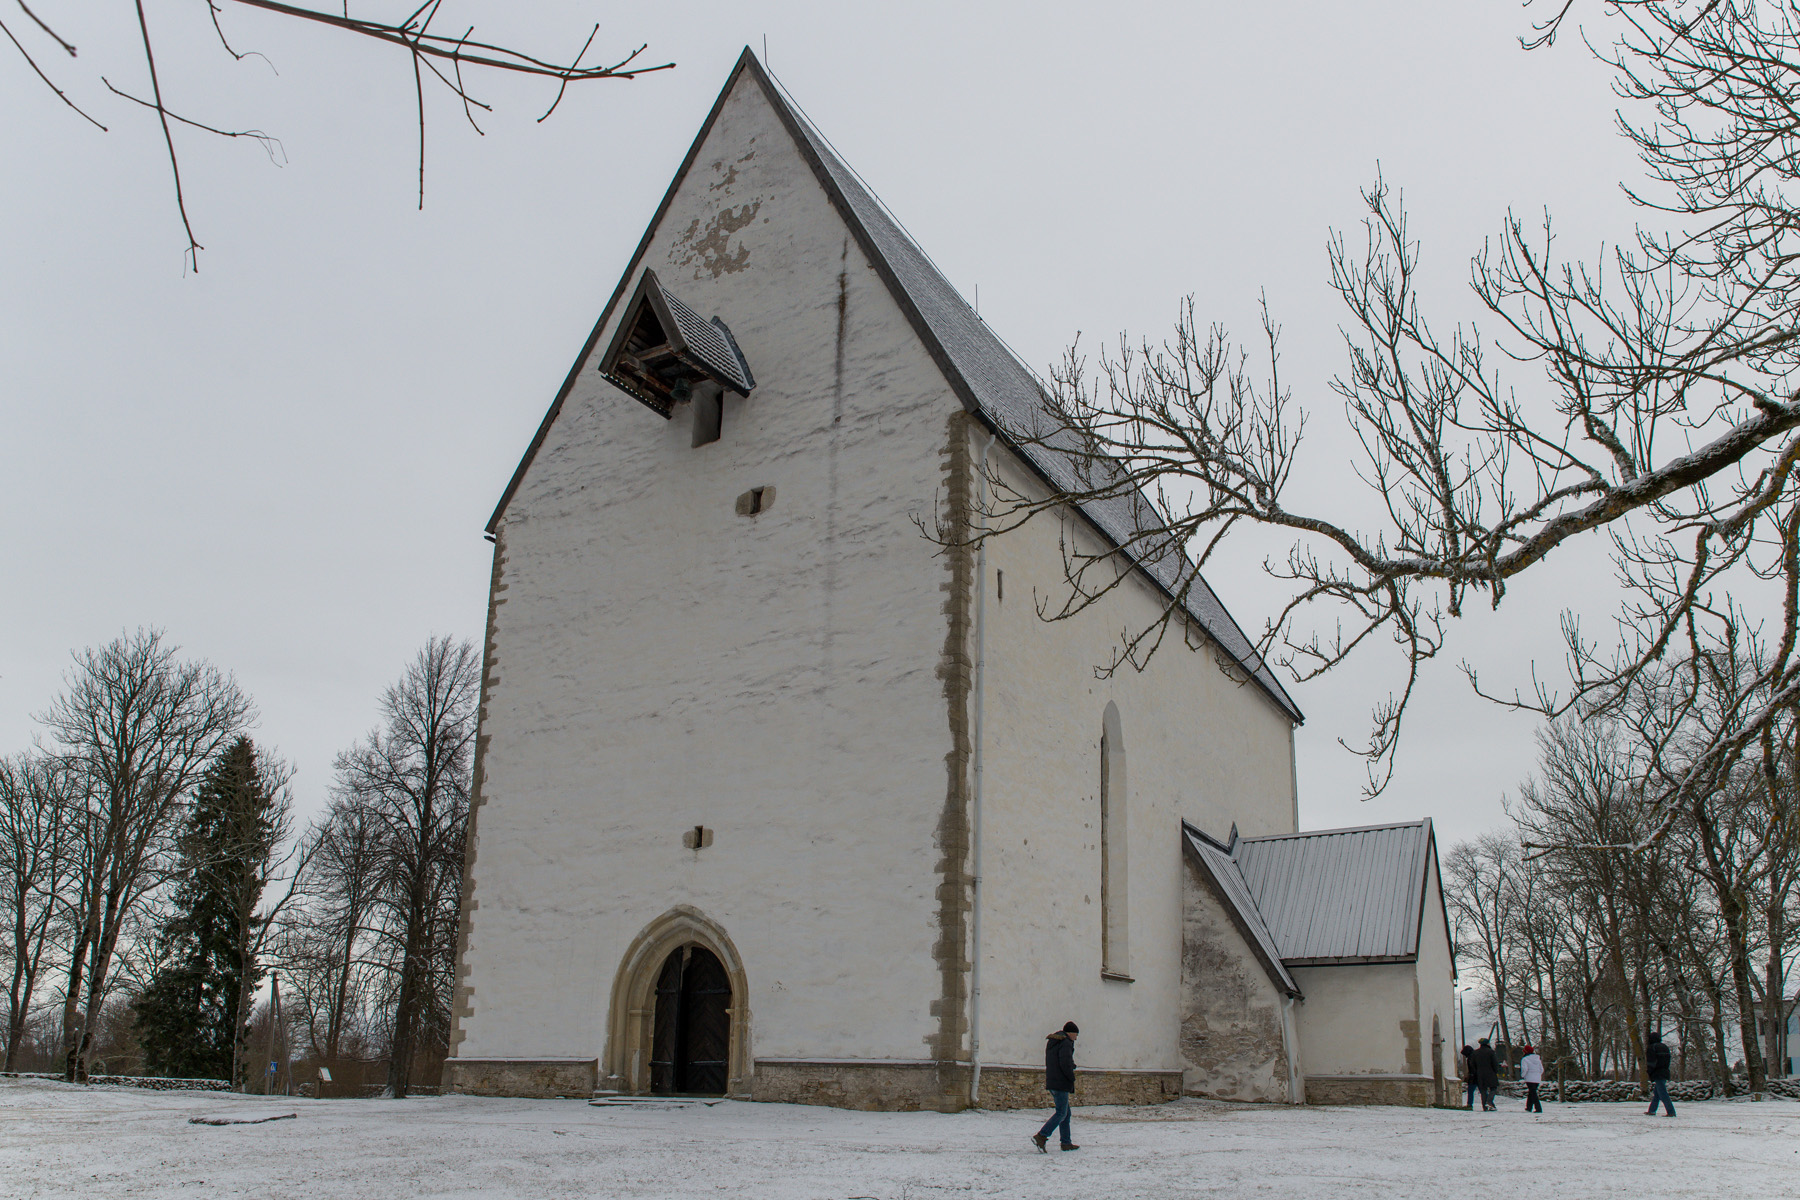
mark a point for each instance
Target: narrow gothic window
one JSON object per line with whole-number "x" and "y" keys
{"x": 1115, "y": 958}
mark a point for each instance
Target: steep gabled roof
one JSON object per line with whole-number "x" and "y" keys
{"x": 1228, "y": 884}
{"x": 986, "y": 376}
{"x": 1341, "y": 895}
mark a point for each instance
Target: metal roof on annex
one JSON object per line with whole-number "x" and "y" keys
{"x": 1340, "y": 895}
{"x": 985, "y": 375}
{"x": 1334, "y": 897}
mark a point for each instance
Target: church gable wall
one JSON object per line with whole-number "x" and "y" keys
{"x": 1233, "y": 1042}
{"x": 1198, "y": 744}
{"x": 659, "y": 661}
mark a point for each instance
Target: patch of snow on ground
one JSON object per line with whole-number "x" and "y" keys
{"x": 59, "y": 1140}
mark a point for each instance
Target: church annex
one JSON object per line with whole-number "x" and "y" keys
{"x": 778, "y": 799}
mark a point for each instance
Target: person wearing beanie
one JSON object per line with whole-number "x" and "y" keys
{"x": 1531, "y": 1070}
{"x": 1059, "y": 1081}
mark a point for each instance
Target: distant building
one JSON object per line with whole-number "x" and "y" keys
{"x": 778, "y": 799}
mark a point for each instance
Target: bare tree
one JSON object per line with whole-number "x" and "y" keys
{"x": 1646, "y": 394}
{"x": 39, "y": 798}
{"x": 441, "y": 56}
{"x": 413, "y": 778}
{"x": 1480, "y": 880}
{"x": 324, "y": 945}
{"x": 139, "y": 726}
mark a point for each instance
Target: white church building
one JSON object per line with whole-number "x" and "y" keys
{"x": 779, "y": 799}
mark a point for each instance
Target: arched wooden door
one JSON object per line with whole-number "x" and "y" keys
{"x": 691, "y": 1042}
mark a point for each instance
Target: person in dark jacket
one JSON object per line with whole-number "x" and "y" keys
{"x": 1487, "y": 1074}
{"x": 1059, "y": 1081}
{"x": 1656, "y": 1057}
{"x": 1468, "y": 1072}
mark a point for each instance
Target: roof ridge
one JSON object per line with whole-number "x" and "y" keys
{"x": 1303, "y": 833}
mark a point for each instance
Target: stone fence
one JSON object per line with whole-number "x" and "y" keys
{"x": 1576, "y": 1091}
{"x": 152, "y": 1082}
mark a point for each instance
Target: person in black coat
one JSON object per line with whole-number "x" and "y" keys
{"x": 1487, "y": 1074}
{"x": 1468, "y": 1069}
{"x": 1656, "y": 1057}
{"x": 1059, "y": 1081}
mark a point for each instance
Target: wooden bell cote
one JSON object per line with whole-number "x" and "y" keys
{"x": 665, "y": 353}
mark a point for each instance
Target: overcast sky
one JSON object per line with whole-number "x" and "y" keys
{"x": 287, "y": 459}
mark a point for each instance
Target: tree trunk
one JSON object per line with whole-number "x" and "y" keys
{"x": 412, "y": 968}
{"x": 1731, "y": 910}
{"x": 74, "y": 1024}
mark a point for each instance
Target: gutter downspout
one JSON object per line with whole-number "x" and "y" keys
{"x": 980, "y": 681}
{"x": 1296, "y": 1091}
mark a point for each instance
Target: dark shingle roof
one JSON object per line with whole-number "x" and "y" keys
{"x": 994, "y": 383}
{"x": 986, "y": 376}
{"x": 712, "y": 342}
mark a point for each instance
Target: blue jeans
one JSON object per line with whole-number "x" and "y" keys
{"x": 1059, "y": 1117}
{"x": 1659, "y": 1094}
{"x": 1469, "y": 1100}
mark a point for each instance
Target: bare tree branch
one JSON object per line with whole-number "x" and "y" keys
{"x": 271, "y": 145}
{"x": 162, "y": 114}
{"x": 32, "y": 63}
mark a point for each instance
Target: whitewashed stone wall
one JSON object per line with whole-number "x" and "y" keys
{"x": 1376, "y": 1019}
{"x": 1237, "y": 1041}
{"x": 797, "y": 683}
{"x": 1198, "y": 745}
{"x": 661, "y": 662}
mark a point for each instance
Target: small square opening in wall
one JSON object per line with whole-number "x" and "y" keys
{"x": 697, "y": 838}
{"x": 756, "y": 500}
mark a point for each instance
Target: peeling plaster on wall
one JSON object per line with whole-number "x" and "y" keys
{"x": 1231, "y": 1037}
{"x": 729, "y": 172}
{"x": 707, "y": 248}
{"x": 955, "y": 669}
{"x": 463, "y": 1002}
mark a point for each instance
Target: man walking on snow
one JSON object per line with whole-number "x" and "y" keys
{"x": 1487, "y": 1073}
{"x": 1656, "y": 1057}
{"x": 1059, "y": 1081}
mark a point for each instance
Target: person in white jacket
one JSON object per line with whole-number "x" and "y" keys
{"x": 1531, "y": 1070}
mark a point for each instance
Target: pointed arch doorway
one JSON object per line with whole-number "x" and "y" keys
{"x": 679, "y": 1018}
{"x": 691, "y": 1040}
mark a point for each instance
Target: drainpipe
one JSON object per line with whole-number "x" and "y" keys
{"x": 1296, "y": 1092}
{"x": 980, "y": 682}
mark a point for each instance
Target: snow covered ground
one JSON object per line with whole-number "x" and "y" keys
{"x": 57, "y": 1140}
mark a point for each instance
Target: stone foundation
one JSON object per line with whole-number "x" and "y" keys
{"x": 910, "y": 1087}
{"x": 541, "y": 1078}
{"x": 1418, "y": 1091}
{"x": 1023, "y": 1087}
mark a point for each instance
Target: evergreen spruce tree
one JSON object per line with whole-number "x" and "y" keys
{"x": 195, "y": 1009}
